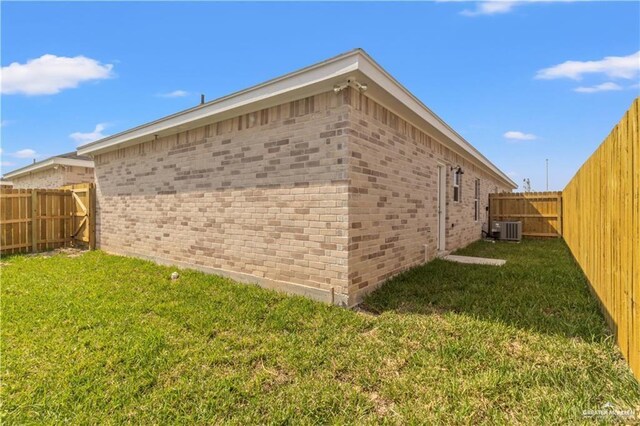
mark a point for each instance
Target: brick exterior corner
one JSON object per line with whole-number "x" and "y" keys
{"x": 327, "y": 196}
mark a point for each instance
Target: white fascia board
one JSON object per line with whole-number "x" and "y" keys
{"x": 74, "y": 162}
{"x": 278, "y": 88}
{"x": 341, "y": 65}
{"x": 48, "y": 163}
{"x": 372, "y": 70}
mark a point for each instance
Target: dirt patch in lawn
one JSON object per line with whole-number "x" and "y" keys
{"x": 67, "y": 251}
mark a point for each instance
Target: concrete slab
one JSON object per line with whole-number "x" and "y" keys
{"x": 474, "y": 260}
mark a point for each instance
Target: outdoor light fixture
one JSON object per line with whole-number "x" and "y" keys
{"x": 339, "y": 87}
{"x": 362, "y": 87}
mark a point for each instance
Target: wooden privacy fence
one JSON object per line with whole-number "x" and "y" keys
{"x": 601, "y": 210}
{"x": 539, "y": 212}
{"x": 33, "y": 220}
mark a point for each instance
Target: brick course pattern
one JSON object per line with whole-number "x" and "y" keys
{"x": 262, "y": 197}
{"x": 393, "y": 196}
{"x": 52, "y": 178}
{"x": 327, "y": 196}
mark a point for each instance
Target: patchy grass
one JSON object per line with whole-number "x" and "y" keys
{"x": 107, "y": 339}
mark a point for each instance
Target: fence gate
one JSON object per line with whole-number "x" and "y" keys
{"x": 539, "y": 212}
{"x": 33, "y": 220}
{"x": 83, "y": 223}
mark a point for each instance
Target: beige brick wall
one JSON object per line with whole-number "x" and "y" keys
{"x": 393, "y": 196}
{"x": 74, "y": 175}
{"x": 262, "y": 197}
{"x": 53, "y": 178}
{"x": 327, "y": 196}
{"x": 48, "y": 178}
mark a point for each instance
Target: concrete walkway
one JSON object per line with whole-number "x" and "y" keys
{"x": 474, "y": 260}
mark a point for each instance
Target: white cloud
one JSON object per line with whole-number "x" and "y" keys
{"x": 83, "y": 138}
{"x": 513, "y": 174}
{"x": 604, "y": 87}
{"x": 5, "y": 163}
{"x": 174, "y": 94}
{"x": 24, "y": 153}
{"x": 626, "y": 67}
{"x": 490, "y": 8}
{"x": 50, "y": 74}
{"x": 496, "y": 7}
{"x": 519, "y": 136}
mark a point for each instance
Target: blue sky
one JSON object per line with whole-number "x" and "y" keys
{"x": 75, "y": 71}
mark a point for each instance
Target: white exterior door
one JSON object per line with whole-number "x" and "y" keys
{"x": 442, "y": 207}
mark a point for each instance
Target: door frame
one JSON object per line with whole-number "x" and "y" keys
{"x": 442, "y": 207}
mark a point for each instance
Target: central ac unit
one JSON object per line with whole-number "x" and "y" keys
{"x": 507, "y": 231}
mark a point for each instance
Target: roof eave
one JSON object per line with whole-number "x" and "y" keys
{"x": 315, "y": 74}
{"x": 373, "y": 70}
{"x": 300, "y": 82}
{"x": 45, "y": 164}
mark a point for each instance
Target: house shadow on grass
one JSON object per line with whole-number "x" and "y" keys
{"x": 540, "y": 288}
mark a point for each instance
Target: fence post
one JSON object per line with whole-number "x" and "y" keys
{"x": 91, "y": 197}
{"x": 34, "y": 221}
{"x": 559, "y": 209}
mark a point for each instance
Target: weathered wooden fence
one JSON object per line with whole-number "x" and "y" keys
{"x": 601, "y": 210}
{"x": 539, "y": 212}
{"x": 33, "y": 220}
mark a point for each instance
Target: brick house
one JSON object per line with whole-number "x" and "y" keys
{"x": 53, "y": 172}
{"x": 324, "y": 182}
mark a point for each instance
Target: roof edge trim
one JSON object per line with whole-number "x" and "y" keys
{"x": 344, "y": 64}
{"x": 45, "y": 164}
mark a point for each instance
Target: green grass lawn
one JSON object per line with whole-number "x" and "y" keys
{"x": 107, "y": 339}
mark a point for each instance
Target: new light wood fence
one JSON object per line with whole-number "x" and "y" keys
{"x": 33, "y": 220}
{"x": 539, "y": 212}
{"x": 601, "y": 210}
{"x": 83, "y": 215}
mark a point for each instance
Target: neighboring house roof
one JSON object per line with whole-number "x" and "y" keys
{"x": 68, "y": 159}
{"x": 347, "y": 68}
